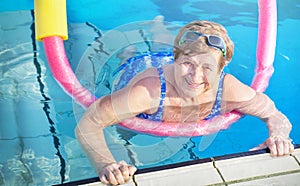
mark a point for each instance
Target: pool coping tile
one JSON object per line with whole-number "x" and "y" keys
{"x": 202, "y": 174}
{"x": 256, "y": 167}
{"x": 280, "y": 180}
{"x": 98, "y": 183}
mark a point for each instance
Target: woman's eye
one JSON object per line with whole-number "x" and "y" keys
{"x": 207, "y": 68}
{"x": 187, "y": 63}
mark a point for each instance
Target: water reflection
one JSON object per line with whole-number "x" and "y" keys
{"x": 239, "y": 12}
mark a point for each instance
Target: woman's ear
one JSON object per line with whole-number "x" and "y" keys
{"x": 226, "y": 63}
{"x": 223, "y": 63}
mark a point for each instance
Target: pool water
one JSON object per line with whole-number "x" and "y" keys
{"x": 37, "y": 118}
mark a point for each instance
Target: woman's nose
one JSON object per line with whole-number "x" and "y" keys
{"x": 197, "y": 75}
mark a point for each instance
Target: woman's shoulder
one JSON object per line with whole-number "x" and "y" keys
{"x": 148, "y": 81}
{"x": 147, "y": 75}
{"x": 236, "y": 91}
{"x": 151, "y": 75}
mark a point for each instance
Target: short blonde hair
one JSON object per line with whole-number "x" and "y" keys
{"x": 204, "y": 27}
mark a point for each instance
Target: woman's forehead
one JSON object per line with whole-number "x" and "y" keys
{"x": 200, "y": 57}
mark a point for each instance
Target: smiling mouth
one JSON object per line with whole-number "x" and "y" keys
{"x": 194, "y": 85}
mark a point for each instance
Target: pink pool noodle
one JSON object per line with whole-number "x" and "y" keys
{"x": 266, "y": 44}
{"x": 63, "y": 73}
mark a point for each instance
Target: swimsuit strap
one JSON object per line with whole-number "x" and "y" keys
{"x": 216, "y": 110}
{"x": 157, "y": 116}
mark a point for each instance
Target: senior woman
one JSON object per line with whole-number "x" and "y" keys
{"x": 191, "y": 89}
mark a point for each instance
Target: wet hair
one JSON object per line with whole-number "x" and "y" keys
{"x": 200, "y": 46}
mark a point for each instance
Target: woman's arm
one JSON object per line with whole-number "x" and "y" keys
{"x": 90, "y": 135}
{"x": 244, "y": 99}
{"x": 89, "y": 132}
{"x": 106, "y": 111}
{"x": 279, "y": 126}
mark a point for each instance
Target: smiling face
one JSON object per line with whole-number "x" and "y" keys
{"x": 197, "y": 74}
{"x": 205, "y": 28}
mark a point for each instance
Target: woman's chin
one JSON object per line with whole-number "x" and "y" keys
{"x": 190, "y": 93}
{"x": 196, "y": 87}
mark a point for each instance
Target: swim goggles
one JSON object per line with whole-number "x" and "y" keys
{"x": 211, "y": 40}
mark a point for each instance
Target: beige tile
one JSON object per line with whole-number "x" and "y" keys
{"x": 193, "y": 175}
{"x": 282, "y": 180}
{"x": 131, "y": 183}
{"x": 255, "y": 165}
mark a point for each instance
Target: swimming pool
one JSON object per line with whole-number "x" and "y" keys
{"x": 38, "y": 119}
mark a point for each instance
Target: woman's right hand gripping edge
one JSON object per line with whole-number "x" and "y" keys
{"x": 107, "y": 111}
{"x": 116, "y": 173}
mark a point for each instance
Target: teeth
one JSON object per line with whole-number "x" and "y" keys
{"x": 193, "y": 85}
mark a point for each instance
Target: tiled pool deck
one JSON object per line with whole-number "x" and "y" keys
{"x": 249, "y": 168}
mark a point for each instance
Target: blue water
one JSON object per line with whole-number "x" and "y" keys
{"x": 37, "y": 120}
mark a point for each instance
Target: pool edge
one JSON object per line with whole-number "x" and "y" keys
{"x": 213, "y": 159}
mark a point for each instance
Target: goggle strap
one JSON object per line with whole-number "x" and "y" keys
{"x": 223, "y": 52}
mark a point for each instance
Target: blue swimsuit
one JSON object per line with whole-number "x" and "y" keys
{"x": 157, "y": 116}
{"x": 139, "y": 63}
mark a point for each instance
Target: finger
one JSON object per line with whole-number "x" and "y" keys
{"x": 125, "y": 172}
{"x": 118, "y": 176}
{"x": 279, "y": 147}
{"x": 103, "y": 179}
{"x": 123, "y": 163}
{"x": 271, "y": 145}
{"x": 111, "y": 178}
{"x": 132, "y": 170}
{"x": 104, "y": 173}
{"x": 291, "y": 147}
{"x": 287, "y": 147}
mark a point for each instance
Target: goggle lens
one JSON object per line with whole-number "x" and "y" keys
{"x": 212, "y": 41}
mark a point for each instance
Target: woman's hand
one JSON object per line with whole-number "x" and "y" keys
{"x": 278, "y": 145}
{"x": 116, "y": 173}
